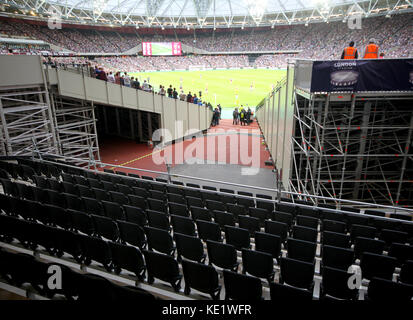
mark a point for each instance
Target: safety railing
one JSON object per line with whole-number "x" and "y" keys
{"x": 279, "y": 194}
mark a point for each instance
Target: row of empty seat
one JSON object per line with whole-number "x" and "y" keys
{"x": 262, "y": 226}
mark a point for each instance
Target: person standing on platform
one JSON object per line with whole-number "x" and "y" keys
{"x": 350, "y": 52}
{"x": 235, "y": 116}
{"x": 372, "y": 50}
{"x": 242, "y": 116}
{"x": 248, "y": 116}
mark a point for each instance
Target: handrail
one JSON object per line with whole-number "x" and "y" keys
{"x": 96, "y": 164}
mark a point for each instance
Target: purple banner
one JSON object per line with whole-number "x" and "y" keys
{"x": 362, "y": 75}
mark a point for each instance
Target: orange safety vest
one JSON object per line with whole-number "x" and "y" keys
{"x": 350, "y": 53}
{"x": 372, "y": 51}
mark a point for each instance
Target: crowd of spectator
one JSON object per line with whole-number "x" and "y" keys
{"x": 321, "y": 40}
{"x": 125, "y": 79}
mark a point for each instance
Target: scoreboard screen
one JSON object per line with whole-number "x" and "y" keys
{"x": 161, "y": 48}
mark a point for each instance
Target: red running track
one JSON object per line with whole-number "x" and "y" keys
{"x": 225, "y": 143}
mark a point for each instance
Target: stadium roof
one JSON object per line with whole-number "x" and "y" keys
{"x": 202, "y": 13}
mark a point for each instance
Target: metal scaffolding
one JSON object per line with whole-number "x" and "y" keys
{"x": 75, "y": 129}
{"x": 26, "y": 121}
{"x": 354, "y": 146}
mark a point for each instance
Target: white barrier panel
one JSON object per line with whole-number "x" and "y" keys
{"x": 96, "y": 90}
{"x": 71, "y": 84}
{"x": 130, "y": 98}
{"x": 169, "y": 117}
{"x": 20, "y": 70}
{"x": 193, "y": 116}
{"x": 145, "y": 100}
{"x": 114, "y": 94}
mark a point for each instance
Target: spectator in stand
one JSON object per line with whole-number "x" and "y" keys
{"x": 111, "y": 77}
{"x": 195, "y": 100}
{"x": 102, "y": 75}
{"x": 162, "y": 90}
{"x": 122, "y": 80}
{"x": 91, "y": 70}
{"x": 135, "y": 83}
{"x": 170, "y": 92}
{"x": 182, "y": 96}
{"x": 175, "y": 94}
{"x": 145, "y": 86}
{"x": 117, "y": 78}
{"x": 127, "y": 80}
{"x": 189, "y": 97}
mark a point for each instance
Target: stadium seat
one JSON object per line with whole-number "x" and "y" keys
{"x": 81, "y": 222}
{"x": 209, "y": 230}
{"x": 301, "y": 250}
{"x": 162, "y": 267}
{"x": 93, "y": 206}
{"x": 105, "y": 227}
{"x": 201, "y": 277}
{"x": 119, "y": 198}
{"x": 260, "y": 214}
{"x": 402, "y": 252}
{"x": 336, "y": 239}
{"x": 238, "y": 237}
{"x": 135, "y": 215}
{"x": 94, "y": 249}
{"x": 249, "y": 223}
{"x": 376, "y": 265}
{"x": 304, "y": 233}
{"x": 390, "y": 236}
{"x": 335, "y": 284}
{"x": 362, "y": 231}
{"x": 283, "y": 217}
{"x": 258, "y": 264}
{"x": 308, "y": 222}
{"x": 189, "y": 247}
{"x": 269, "y": 206}
{"x": 297, "y": 273}
{"x": 236, "y": 210}
{"x": 157, "y": 205}
{"x": 203, "y": 214}
{"x": 129, "y": 258}
{"x": 113, "y": 210}
{"x": 362, "y": 245}
{"x": 183, "y": 225}
{"x": 159, "y": 240}
{"x": 137, "y": 202}
{"x": 215, "y": 205}
{"x": 406, "y": 272}
{"x": 268, "y": 243}
{"x": 336, "y": 257}
{"x": 277, "y": 228}
{"x": 334, "y": 226}
{"x": 386, "y": 290}
{"x": 280, "y": 292}
{"x": 241, "y": 286}
{"x": 178, "y": 209}
{"x": 130, "y": 233}
{"x": 194, "y": 202}
{"x": 223, "y": 218}
{"x": 158, "y": 220}
{"x": 222, "y": 255}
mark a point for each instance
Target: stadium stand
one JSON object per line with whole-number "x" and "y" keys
{"x": 113, "y": 239}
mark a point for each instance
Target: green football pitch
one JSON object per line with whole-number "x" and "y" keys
{"x": 229, "y": 88}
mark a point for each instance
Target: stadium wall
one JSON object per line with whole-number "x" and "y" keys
{"x": 276, "y": 120}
